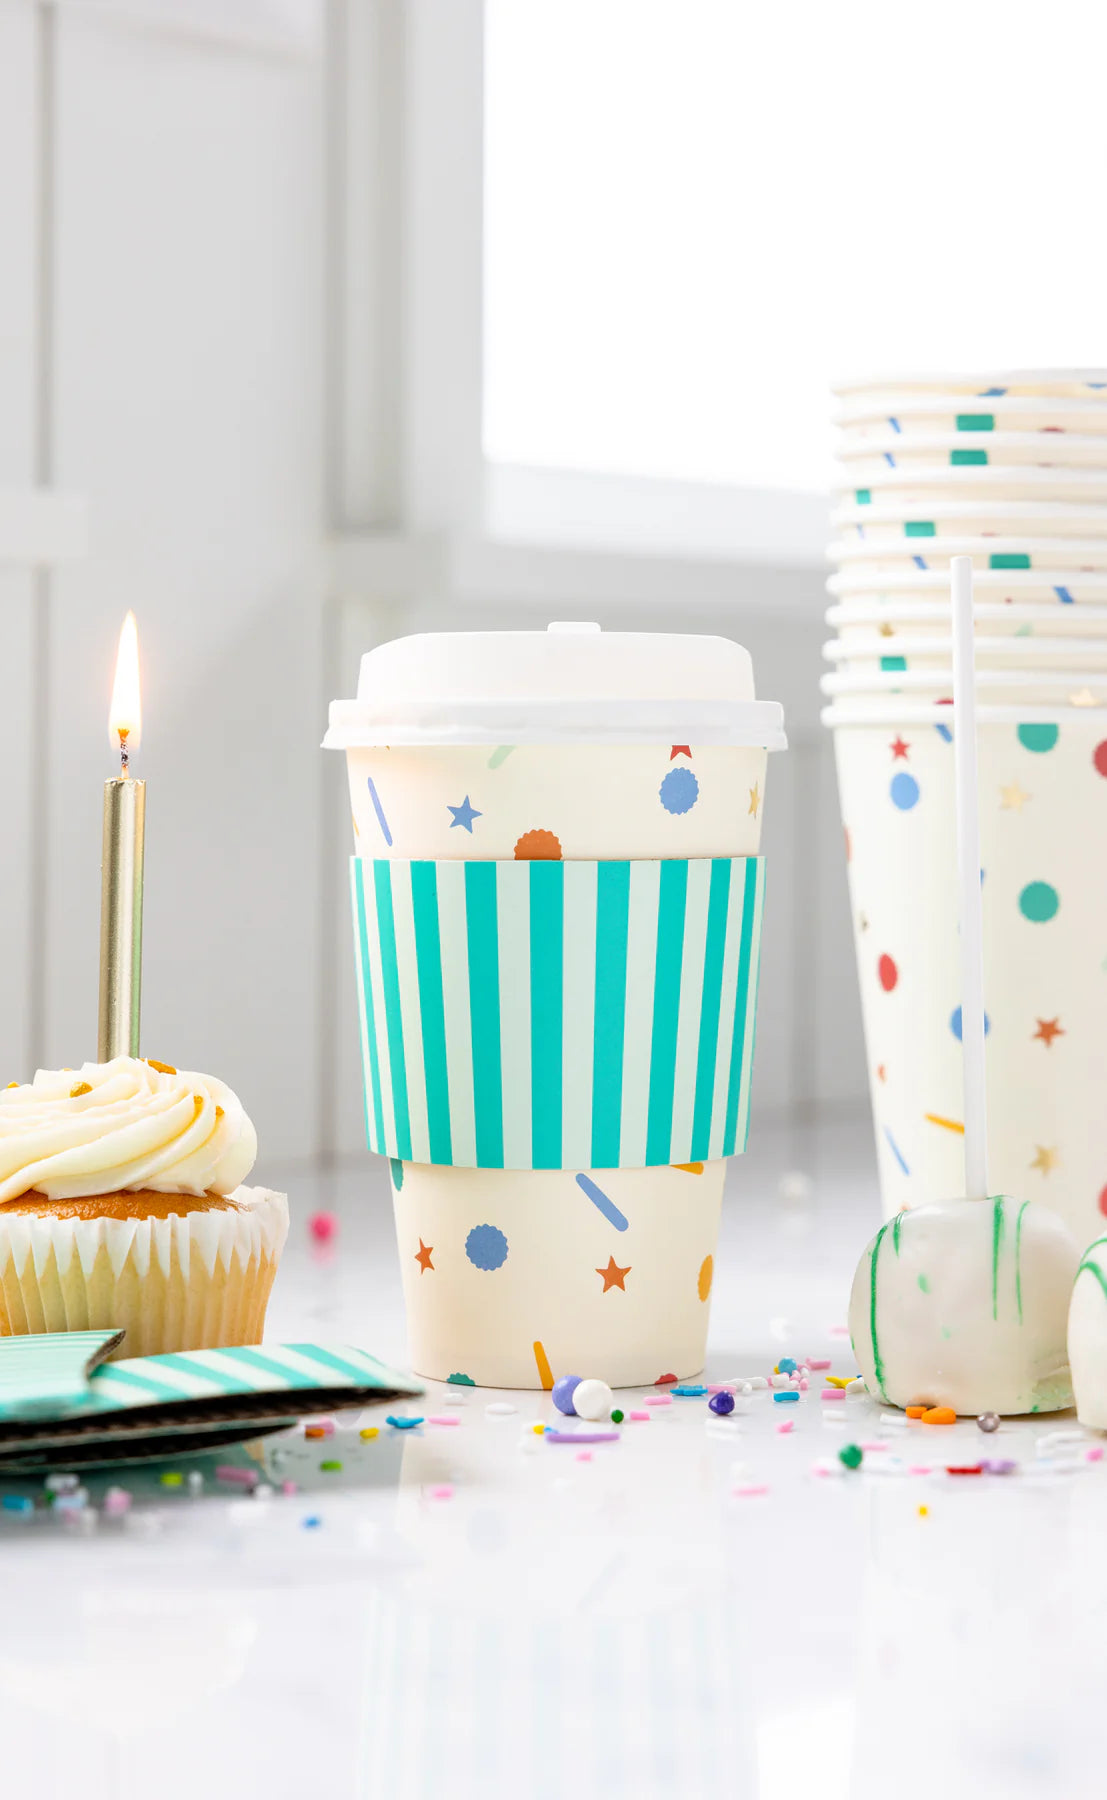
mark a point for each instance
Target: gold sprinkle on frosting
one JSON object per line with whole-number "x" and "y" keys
{"x": 162, "y": 1068}
{"x": 82, "y": 1087}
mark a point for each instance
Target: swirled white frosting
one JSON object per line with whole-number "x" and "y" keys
{"x": 109, "y": 1127}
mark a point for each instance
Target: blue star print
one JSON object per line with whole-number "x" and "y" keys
{"x": 463, "y": 815}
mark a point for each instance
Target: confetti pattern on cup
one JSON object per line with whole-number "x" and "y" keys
{"x": 1044, "y": 846}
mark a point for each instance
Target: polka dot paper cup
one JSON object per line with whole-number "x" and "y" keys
{"x": 1006, "y": 553}
{"x": 994, "y": 588}
{"x": 1043, "y": 807}
{"x": 899, "y": 651}
{"x": 906, "y": 416}
{"x": 567, "y": 747}
{"x": 905, "y": 619}
{"x": 909, "y": 522}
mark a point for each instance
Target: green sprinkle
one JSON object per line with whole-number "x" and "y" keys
{"x": 331, "y": 1467}
{"x": 616, "y": 1417}
{"x": 851, "y": 1455}
{"x": 924, "y": 1285}
{"x": 172, "y": 1478}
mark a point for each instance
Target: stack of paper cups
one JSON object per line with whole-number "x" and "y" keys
{"x": 1010, "y": 469}
{"x": 557, "y": 900}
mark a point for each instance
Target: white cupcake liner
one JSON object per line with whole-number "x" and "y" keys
{"x": 190, "y": 1281}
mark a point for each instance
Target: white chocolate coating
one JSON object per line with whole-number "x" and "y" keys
{"x": 964, "y": 1303}
{"x": 1088, "y": 1336}
{"x": 134, "y": 1126}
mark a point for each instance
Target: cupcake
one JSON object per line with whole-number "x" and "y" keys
{"x": 121, "y": 1205}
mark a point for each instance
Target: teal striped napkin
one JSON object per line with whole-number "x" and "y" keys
{"x": 550, "y": 1015}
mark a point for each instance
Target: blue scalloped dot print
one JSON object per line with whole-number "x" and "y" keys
{"x": 397, "y": 1169}
{"x": 904, "y": 791}
{"x": 955, "y": 1023}
{"x": 1038, "y": 902}
{"x": 486, "y": 1247}
{"x": 1039, "y": 738}
{"x": 679, "y": 791}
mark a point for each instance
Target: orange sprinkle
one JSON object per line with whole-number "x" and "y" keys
{"x": 13, "y": 1084}
{"x": 314, "y": 1431}
{"x": 545, "y": 1373}
{"x": 946, "y": 1124}
{"x": 915, "y": 1412}
{"x": 939, "y": 1415}
{"x": 82, "y": 1087}
{"x": 162, "y": 1068}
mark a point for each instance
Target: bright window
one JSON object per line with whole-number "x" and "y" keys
{"x": 699, "y": 212}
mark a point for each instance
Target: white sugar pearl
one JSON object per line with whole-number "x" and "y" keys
{"x": 593, "y": 1400}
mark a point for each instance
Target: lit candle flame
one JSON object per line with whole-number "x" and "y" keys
{"x": 125, "y": 715}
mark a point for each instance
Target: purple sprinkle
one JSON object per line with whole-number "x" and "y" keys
{"x": 579, "y": 1437}
{"x": 379, "y": 810}
{"x": 998, "y": 1465}
{"x": 240, "y": 1477}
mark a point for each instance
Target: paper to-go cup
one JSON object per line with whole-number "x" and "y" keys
{"x": 861, "y": 419}
{"x": 875, "y": 456}
{"x": 997, "y": 384}
{"x": 992, "y": 553}
{"x": 1043, "y": 820}
{"x": 995, "y": 587}
{"x": 898, "y": 522}
{"x": 875, "y": 653}
{"x": 981, "y": 484}
{"x": 557, "y": 899}
{"x": 906, "y": 619}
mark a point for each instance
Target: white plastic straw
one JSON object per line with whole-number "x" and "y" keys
{"x": 968, "y": 868}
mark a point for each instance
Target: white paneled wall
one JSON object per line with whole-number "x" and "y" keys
{"x": 165, "y": 186}
{"x": 232, "y": 317}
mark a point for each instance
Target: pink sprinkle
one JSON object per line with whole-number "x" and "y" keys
{"x": 643, "y": 1417}
{"x": 919, "y": 1469}
{"x": 117, "y": 1501}
{"x": 876, "y": 1444}
{"x": 324, "y": 1425}
{"x": 788, "y": 1425}
{"x": 721, "y": 1387}
{"x": 839, "y": 1331}
{"x": 323, "y": 1226}
{"x": 442, "y": 1493}
{"x": 444, "y": 1419}
{"x": 238, "y": 1477}
{"x": 658, "y": 1400}
{"x": 819, "y": 1362}
{"x": 804, "y": 1385}
{"x": 584, "y": 1456}
{"x": 751, "y": 1490}
{"x": 1095, "y": 1454}
{"x": 289, "y": 1487}
{"x": 833, "y": 1394}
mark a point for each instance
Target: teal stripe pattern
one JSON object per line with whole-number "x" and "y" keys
{"x": 680, "y": 938}
{"x": 212, "y": 1374}
{"x": 547, "y": 927}
{"x": 365, "y": 991}
{"x": 482, "y": 940}
{"x": 428, "y": 950}
{"x": 612, "y": 912}
{"x": 390, "y": 981}
{"x": 741, "y": 1004}
{"x": 718, "y": 901}
{"x": 668, "y": 964}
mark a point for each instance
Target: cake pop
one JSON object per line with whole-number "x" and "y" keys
{"x": 1088, "y": 1336}
{"x": 964, "y": 1303}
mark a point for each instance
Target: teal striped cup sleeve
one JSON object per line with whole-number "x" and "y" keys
{"x": 557, "y": 1015}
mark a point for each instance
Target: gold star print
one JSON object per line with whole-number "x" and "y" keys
{"x": 1012, "y": 799}
{"x": 423, "y": 1257}
{"x": 613, "y": 1276}
{"x": 1048, "y": 1029}
{"x": 755, "y": 800}
{"x": 887, "y": 629}
{"x": 1084, "y": 698}
{"x": 1045, "y": 1159}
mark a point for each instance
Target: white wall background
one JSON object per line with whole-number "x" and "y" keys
{"x": 240, "y": 312}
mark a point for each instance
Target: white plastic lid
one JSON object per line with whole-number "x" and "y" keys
{"x": 569, "y": 684}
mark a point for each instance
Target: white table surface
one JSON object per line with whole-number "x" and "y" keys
{"x": 619, "y": 1627}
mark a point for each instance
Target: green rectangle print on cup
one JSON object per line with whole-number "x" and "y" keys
{"x": 558, "y": 955}
{"x": 557, "y": 900}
